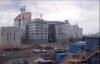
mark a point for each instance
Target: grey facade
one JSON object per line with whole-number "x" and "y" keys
{"x": 37, "y": 31}
{"x": 10, "y": 36}
{"x": 40, "y": 31}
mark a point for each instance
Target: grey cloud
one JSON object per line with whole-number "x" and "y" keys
{"x": 9, "y": 4}
{"x": 88, "y": 9}
{"x": 90, "y": 5}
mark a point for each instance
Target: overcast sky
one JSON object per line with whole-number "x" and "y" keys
{"x": 83, "y": 12}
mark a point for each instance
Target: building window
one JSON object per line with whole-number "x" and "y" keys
{"x": 37, "y": 24}
{"x": 37, "y": 36}
{"x": 14, "y": 36}
{"x": 7, "y": 36}
{"x": 2, "y": 33}
{"x": 36, "y": 33}
{"x": 10, "y": 33}
{"x": 41, "y": 36}
{"x": 37, "y": 27}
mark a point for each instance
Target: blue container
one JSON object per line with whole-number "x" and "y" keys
{"x": 91, "y": 42}
{"x": 59, "y": 56}
{"x": 76, "y": 47}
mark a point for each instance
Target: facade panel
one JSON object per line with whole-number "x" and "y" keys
{"x": 51, "y": 33}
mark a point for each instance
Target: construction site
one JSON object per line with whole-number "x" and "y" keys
{"x": 39, "y": 41}
{"x": 83, "y": 52}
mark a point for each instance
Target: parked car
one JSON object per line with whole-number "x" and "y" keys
{"x": 44, "y": 50}
{"x": 36, "y": 50}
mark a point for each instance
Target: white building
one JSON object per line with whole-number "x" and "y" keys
{"x": 42, "y": 31}
{"x": 37, "y": 31}
{"x": 75, "y": 31}
{"x": 10, "y": 36}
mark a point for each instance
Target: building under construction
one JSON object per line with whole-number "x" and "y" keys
{"x": 84, "y": 52}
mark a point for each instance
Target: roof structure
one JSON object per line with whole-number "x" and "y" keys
{"x": 26, "y": 16}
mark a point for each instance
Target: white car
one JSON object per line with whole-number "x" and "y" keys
{"x": 36, "y": 50}
{"x": 43, "y": 50}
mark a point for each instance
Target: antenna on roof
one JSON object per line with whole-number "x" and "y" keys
{"x": 41, "y": 15}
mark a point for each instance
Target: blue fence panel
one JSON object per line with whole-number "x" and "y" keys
{"x": 60, "y": 56}
{"x": 75, "y": 47}
{"x": 91, "y": 42}
{"x": 97, "y": 41}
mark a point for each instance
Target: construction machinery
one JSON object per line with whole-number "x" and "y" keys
{"x": 49, "y": 46}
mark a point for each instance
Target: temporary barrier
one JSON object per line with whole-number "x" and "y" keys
{"x": 76, "y": 47}
{"x": 60, "y": 56}
{"x": 91, "y": 42}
